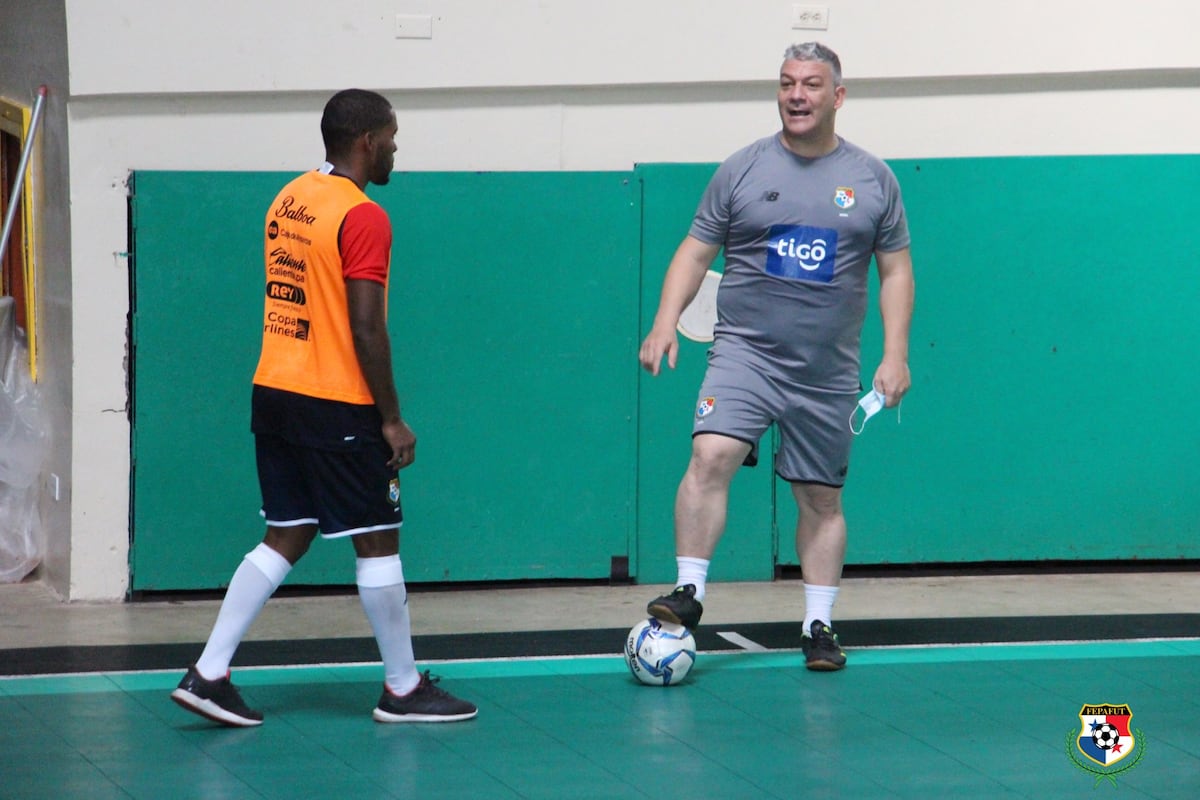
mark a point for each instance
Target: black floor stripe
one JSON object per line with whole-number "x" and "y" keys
{"x": 772, "y": 635}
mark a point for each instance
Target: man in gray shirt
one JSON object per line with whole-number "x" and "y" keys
{"x": 800, "y": 215}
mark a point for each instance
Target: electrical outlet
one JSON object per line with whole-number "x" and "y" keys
{"x": 414, "y": 26}
{"x": 813, "y": 18}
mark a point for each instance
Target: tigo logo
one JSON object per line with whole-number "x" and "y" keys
{"x": 801, "y": 252}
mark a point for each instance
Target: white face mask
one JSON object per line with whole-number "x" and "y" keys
{"x": 871, "y": 404}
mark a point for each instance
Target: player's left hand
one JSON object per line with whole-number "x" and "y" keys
{"x": 892, "y": 380}
{"x": 403, "y": 443}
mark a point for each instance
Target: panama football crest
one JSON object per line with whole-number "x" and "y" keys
{"x": 843, "y": 198}
{"x": 705, "y": 407}
{"x": 394, "y": 491}
{"x": 1105, "y": 738}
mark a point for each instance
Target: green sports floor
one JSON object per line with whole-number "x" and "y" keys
{"x": 985, "y": 707}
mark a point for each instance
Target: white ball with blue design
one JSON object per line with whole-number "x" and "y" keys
{"x": 659, "y": 654}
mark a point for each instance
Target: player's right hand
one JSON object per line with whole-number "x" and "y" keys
{"x": 657, "y": 344}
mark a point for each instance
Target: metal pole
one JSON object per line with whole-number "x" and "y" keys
{"x": 15, "y": 200}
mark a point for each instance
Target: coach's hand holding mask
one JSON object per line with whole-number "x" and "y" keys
{"x": 871, "y": 404}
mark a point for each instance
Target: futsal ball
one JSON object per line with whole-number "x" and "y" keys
{"x": 659, "y": 654}
{"x": 1105, "y": 736}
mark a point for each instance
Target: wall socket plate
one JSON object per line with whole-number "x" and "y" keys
{"x": 808, "y": 17}
{"x": 414, "y": 26}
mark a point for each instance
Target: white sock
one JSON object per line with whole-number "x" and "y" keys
{"x": 818, "y": 605}
{"x": 693, "y": 571}
{"x": 256, "y": 579}
{"x": 385, "y": 599}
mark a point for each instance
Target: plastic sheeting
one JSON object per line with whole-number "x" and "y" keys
{"x": 23, "y": 446}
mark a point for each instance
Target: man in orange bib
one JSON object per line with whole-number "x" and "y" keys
{"x": 325, "y": 414}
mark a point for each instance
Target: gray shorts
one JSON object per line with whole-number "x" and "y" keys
{"x": 742, "y": 400}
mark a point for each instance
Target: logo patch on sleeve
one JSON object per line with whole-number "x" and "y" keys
{"x": 801, "y": 252}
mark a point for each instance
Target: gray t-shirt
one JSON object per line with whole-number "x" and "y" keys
{"x": 798, "y": 235}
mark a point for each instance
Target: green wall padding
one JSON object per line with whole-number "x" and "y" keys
{"x": 512, "y": 309}
{"x": 1052, "y": 365}
{"x": 667, "y": 402}
{"x": 197, "y": 254}
{"x": 1051, "y": 359}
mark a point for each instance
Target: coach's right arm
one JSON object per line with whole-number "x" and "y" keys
{"x": 691, "y": 261}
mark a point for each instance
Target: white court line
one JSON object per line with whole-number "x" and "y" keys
{"x": 741, "y": 641}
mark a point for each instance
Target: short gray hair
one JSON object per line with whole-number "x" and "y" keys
{"x": 815, "y": 51}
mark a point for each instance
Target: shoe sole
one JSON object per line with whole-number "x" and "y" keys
{"x": 379, "y": 715}
{"x": 664, "y": 614}
{"x": 824, "y": 666}
{"x": 210, "y": 710}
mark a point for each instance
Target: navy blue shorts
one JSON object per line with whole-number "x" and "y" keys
{"x": 323, "y": 463}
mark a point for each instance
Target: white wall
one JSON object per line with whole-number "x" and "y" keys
{"x": 155, "y": 47}
{"x": 541, "y": 85}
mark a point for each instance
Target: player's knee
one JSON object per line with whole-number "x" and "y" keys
{"x": 715, "y": 459}
{"x": 823, "y": 501}
{"x": 291, "y": 543}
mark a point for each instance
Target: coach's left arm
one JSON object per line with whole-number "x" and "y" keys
{"x": 896, "y": 291}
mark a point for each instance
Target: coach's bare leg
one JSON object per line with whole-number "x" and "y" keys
{"x": 820, "y": 533}
{"x": 701, "y": 504}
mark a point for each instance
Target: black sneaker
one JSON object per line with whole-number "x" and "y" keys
{"x": 679, "y": 607}
{"x": 217, "y": 700}
{"x": 426, "y": 703}
{"x": 821, "y": 649}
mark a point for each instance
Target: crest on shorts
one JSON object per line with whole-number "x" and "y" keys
{"x": 843, "y": 198}
{"x": 394, "y": 491}
{"x": 705, "y": 407}
{"x": 1104, "y": 738}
